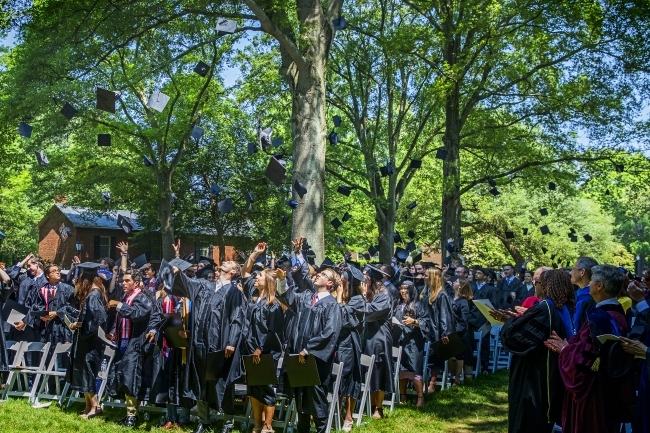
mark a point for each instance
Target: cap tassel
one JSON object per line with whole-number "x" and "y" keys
{"x": 596, "y": 365}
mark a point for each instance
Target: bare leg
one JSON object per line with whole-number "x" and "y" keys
{"x": 257, "y": 407}
{"x": 459, "y": 370}
{"x": 378, "y": 401}
{"x": 419, "y": 388}
{"x": 402, "y": 390}
{"x": 269, "y": 411}
{"x": 432, "y": 381}
{"x": 351, "y": 403}
{"x": 88, "y": 407}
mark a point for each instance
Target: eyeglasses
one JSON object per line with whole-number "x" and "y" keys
{"x": 54, "y": 271}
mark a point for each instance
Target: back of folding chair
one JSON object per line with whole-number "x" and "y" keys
{"x": 478, "y": 339}
{"x": 495, "y": 347}
{"x": 335, "y": 410}
{"x": 14, "y": 348}
{"x": 368, "y": 362}
{"x": 20, "y": 369}
{"x": 52, "y": 370}
{"x": 425, "y": 372}
{"x": 397, "y": 356}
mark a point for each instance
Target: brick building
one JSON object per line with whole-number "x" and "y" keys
{"x": 98, "y": 232}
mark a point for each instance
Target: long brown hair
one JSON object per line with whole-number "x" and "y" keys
{"x": 434, "y": 283}
{"x": 464, "y": 289}
{"x": 270, "y": 286}
{"x": 85, "y": 285}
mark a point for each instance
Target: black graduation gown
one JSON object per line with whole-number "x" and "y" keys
{"x": 265, "y": 332}
{"x": 25, "y": 296}
{"x": 5, "y": 290}
{"x": 348, "y": 348}
{"x": 158, "y": 379}
{"x": 53, "y": 331}
{"x": 505, "y": 293}
{"x": 217, "y": 321}
{"x": 318, "y": 332}
{"x": 536, "y": 390}
{"x": 87, "y": 348}
{"x": 441, "y": 321}
{"x": 127, "y": 373}
{"x": 379, "y": 341}
{"x": 462, "y": 308}
{"x": 412, "y": 338}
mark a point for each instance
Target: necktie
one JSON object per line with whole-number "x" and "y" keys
{"x": 314, "y": 299}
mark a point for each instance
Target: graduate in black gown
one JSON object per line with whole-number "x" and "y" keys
{"x": 6, "y": 288}
{"x": 412, "y": 317}
{"x": 441, "y": 318}
{"x": 87, "y": 348}
{"x": 535, "y": 391}
{"x": 378, "y": 337}
{"x": 349, "y": 346}
{"x": 319, "y": 319}
{"x": 462, "y": 306}
{"x": 482, "y": 290}
{"x": 125, "y": 378}
{"x": 34, "y": 280}
{"x": 217, "y": 320}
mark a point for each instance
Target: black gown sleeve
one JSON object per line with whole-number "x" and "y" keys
{"x": 523, "y": 334}
{"x": 236, "y": 316}
{"x": 446, "y": 323}
{"x": 94, "y": 317}
{"x": 139, "y": 311}
{"x": 322, "y": 346}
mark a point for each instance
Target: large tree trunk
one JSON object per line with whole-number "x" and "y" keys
{"x": 165, "y": 214}
{"x": 385, "y": 219}
{"x": 451, "y": 208}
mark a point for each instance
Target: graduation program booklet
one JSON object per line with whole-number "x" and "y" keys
{"x": 605, "y": 337}
{"x": 68, "y": 323}
{"x": 102, "y": 336}
{"x": 485, "y": 306}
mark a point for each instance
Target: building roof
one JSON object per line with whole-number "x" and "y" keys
{"x": 87, "y": 218}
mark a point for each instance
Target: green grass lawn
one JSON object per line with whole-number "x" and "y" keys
{"x": 478, "y": 406}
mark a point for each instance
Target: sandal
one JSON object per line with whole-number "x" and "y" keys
{"x": 420, "y": 403}
{"x": 431, "y": 389}
{"x": 96, "y": 411}
{"x": 456, "y": 383}
{"x": 86, "y": 411}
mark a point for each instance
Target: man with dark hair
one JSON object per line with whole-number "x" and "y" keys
{"x": 476, "y": 320}
{"x": 510, "y": 289}
{"x": 599, "y": 391}
{"x": 23, "y": 331}
{"x": 580, "y": 276}
{"x": 386, "y": 280}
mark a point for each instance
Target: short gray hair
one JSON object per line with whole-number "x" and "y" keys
{"x": 610, "y": 276}
{"x": 586, "y": 263}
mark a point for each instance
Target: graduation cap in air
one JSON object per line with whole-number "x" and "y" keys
{"x": 158, "y": 101}
{"x": 68, "y": 111}
{"x": 574, "y": 238}
{"x": 510, "y": 235}
{"x": 285, "y": 219}
{"x": 366, "y": 256}
{"x": 411, "y": 234}
{"x": 103, "y": 139}
{"x": 492, "y": 182}
{"x": 147, "y": 161}
{"x": 333, "y": 137}
{"x": 552, "y": 256}
{"x": 292, "y": 204}
{"x": 372, "y": 251}
{"x": 570, "y": 234}
{"x": 415, "y": 163}
{"x": 619, "y": 168}
{"x": 417, "y": 258}
{"x": 106, "y": 100}
{"x": 344, "y": 190}
{"x": 397, "y": 238}
{"x": 140, "y": 261}
{"x": 337, "y": 121}
{"x": 225, "y": 206}
{"x": 299, "y": 188}
{"x": 587, "y": 238}
{"x": 346, "y": 217}
{"x": 543, "y": 211}
{"x": 197, "y": 132}
{"x": 340, "y": 242}
{"x": 387, "y": 169}
{"x": 401, "y": 254}
{"x": 42, "y": 159}
{"x": 125, "y": 224}
{"x": 544, "y": 250}
{"x": 277, "y": 142}
{"x": 106, "y": 197}
{"x": 202, "y": 68}
{"x": 25, "y": 129}
{"x": 166, "y": 274}
{"x": 264, "y": 137}
{"x": 357, "y": 274}
{"x": 215, "y": 189}
{"x": 340, "y": 23}
{"x": 411, "y": 205}
{"x": 327, "y": 263}
{"x": 545, "y": 230}
{"x": 276, "y": 171}
{"x": 441, "y": 153}
{"x": 525, "y": 231}
{"x": 572, "y": 230}
{"x": 410, "y": 246}
{"x": 551, "y": 186}
{"x": 252, "y": 148}
{"x": 336, "y": 223}
{"x": 89, "y": 269}
{"x": 494, "y": 191}
{"x": 226, "y": 26}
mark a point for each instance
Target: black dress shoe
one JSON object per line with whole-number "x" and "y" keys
{"x": 227, "y": 427}
{"x": 130, "y": 421}
{"x": 202, "y": 428}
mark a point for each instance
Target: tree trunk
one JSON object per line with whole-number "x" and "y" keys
{"x": 386, "y": 227}
{"x": 451, "y": 208}
{"x": 165, "y": 214}
{"x": 513, "y": 250}
{"x": 221, "y": 243}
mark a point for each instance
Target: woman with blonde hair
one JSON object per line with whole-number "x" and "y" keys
{"x": 441, "y": 318}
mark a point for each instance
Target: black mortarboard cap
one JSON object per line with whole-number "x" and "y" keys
{"x": 147, "y": 161}
{"x": 336, "y": 223}
{"x": 416, "y": 163}
{"x": 495, "y": 192}
{"x": 401, "y": 254}
{"x": 397, "y": 238}
{"x": 543, "y": 211}
{"x": 158, "y": 101}
{"x": 277, "y": 142}
{"x": 333, "y": 137}
{"x": 68, "y": 111}
{"x": 106, "y": 100}
{"x": 386, "y": 170}
{"x": 299, "y": 188}
{"x": 411, "y": 234}
{"x": 197, "y": 132}
{"x": 492, "y": 182}
{"x": 103, "y": 139}
{"x": 275, "y": 171}
{"x": 417, "y": 258}
{"x": 89, "y": 268}
{"x": 264, "y": 137}
{"x": 544, "y": 250}
{"x": 140, "y": 261}
{"x": 412, "y": 205}
{"x": 340, "y": 23}
{"x": 510, "y": 235}
{"x": 25, "y": 129}
{"x": 588, "y": 238}
{"x": 201, "y": 68}
{"x": 285, "y": 220}
{"x": 554, "y": 265}
{"x": 525, "y": 231}
{"x": 42, "y": 159}
{"x": 125, "y": 224}
{"x": 552, "y": 256}
{"x": 619, "y": 168}
{"x": 357, "y": 274}
{"x": 366, "y": 256}
{"x": 441, "y": 153}
{"x": 337, "y": 121}
{"x": 226, "y": 26}
{"x": 572, "y": 230}
{"x": 551, "y": 186}
{"x": 327, "y": 263}
{"x": 106, "y": 197}
{"x": 292, "y": 204}
{"x": 215, "y": 189}
{"x": 225, "y": 206}
{"x": 345, "y": 190}
{"x": 372, "y": 251}
{"x": 570, "y": 234}
{"x": 574, "y": 238}
{"x": 545, "y": 230}
{"x": 346, "y": 217}
{"x": 252, "y": 148}
{"x": 410, "y": 246}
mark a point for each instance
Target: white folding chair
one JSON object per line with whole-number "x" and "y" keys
{"x": 478, "y": 338}
{"x": 109, "y": 354}
{"x": 394, "y": 399}
{"x": 53, "y": 370}
{"x": 333, "y": 398}
{"x": 444, "y": 377}
{"x": 364, "y": 403}
{"x": 14, "y": 348}
{"x": 21, "y": 369}
{"x": 495, "y": 347}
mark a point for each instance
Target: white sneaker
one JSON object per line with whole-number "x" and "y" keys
{"x": 347, "y": 426}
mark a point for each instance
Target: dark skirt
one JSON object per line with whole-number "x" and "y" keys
{"x": 468, "y": 340}
{"x": 262, "y": 393}
{"x": 86, "y": 361}
{"x": 382, "y": 378}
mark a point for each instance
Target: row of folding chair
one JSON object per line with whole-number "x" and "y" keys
{"x": 499, "y": 357}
